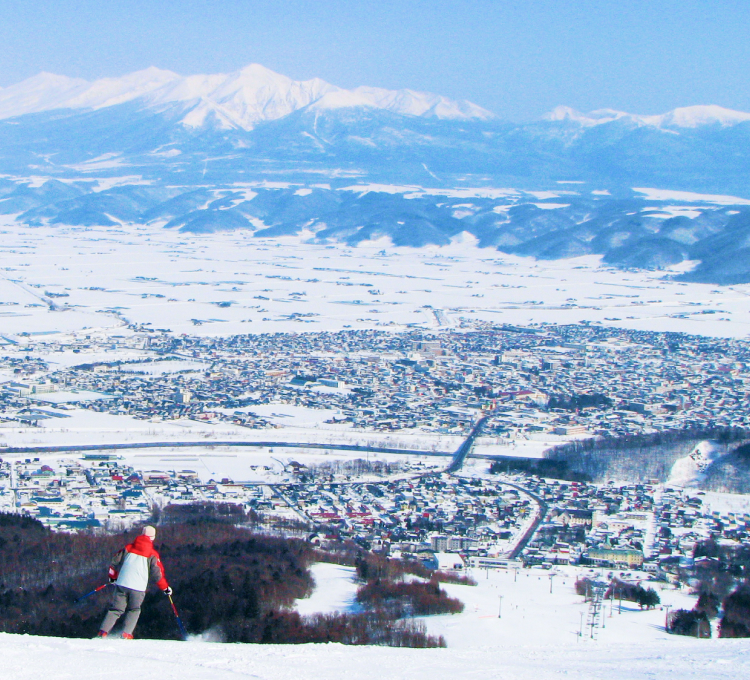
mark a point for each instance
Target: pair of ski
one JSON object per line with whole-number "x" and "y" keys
{"x": 180, "y": 625}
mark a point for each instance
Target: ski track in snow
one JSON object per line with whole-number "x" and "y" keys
{"x": 27, "y": 658}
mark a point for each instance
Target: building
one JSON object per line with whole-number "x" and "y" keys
{"x": 606, "y": 556}
{"x": 494, "y": 563}
{"x": 576, "y": 517}
{"x": 449, "y": 561}
{"x": 329, "y": 382}
{"x": 182, "y": 396}
{"x": 570, "y": 429}
{"x": 439, "y": 543}
{"x": 24, "y": 389}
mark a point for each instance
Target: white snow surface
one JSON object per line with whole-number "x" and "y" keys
{"x": 166, "y": 279}
{"x": 41, "y": 92}
{"x": 691, "y": 470}
{"x": 236, "y": 100}
{"x": 689, "y": 196}
{"x": 27, "y": 658}
{"x": 335, "y": 590}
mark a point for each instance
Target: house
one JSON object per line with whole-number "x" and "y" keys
{"x": 576, "y": 517}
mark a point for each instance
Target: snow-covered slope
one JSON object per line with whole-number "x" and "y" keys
{"x": 536, "y": 638}
{"x": 27, "y": 657}
{"x": 695, "y": 116}
{"x": 112, "y": 91}
{"x": 240, "y": 99}
{"x": 690, "y": 471}
{"x": 685, "y": 117}
{"x": 565, "y": 113}
{"x": 422, "y": 104}
{"x": 41, "y": 92}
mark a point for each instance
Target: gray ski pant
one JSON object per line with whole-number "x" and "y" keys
{"x": 124, "y": 601}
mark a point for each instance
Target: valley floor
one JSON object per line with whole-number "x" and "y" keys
{"x": 234, "y": 283}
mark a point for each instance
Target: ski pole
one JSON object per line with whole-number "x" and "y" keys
{"x": 95, "y": 590}
{"x": 183, "y": 632}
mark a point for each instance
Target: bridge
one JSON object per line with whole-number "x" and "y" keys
{"x": 459, "y": 457}
{"x": 465, "y": 449}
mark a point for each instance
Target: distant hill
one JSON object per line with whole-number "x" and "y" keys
{"x": 631, "y": 229}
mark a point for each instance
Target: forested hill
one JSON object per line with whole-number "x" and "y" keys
{"x": 641, "y": 458}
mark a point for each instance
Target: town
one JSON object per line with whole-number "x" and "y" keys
{"x": 412, "y": 511}
{"x": 553, "y": 382}
{"x": 582, "y": 380}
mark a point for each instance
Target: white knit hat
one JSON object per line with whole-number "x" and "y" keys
{"x": 149, "y": 531}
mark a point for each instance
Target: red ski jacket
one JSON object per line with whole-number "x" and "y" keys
{"x": 137, "y": 564}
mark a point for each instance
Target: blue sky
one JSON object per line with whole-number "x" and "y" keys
{"x": 518, "y": 59}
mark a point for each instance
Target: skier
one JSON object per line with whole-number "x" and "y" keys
{"x": 130, "y": 571}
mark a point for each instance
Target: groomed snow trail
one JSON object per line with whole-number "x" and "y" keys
{"x": 28, "y": 657}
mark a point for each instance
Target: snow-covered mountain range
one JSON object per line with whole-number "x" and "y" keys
{"x": 254, "y": 94}
{"x": 684, "y": 117}
{"x": 164, "y": 126}
{"x": 236, "y": 100}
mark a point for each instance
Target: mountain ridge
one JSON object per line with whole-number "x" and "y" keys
{"x": 681, "y": 117}
{"x": 255, "y": 94}
{"x": 248, "y": 96}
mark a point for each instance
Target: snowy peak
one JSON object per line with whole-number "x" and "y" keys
{"x": 695, "y": 116}
{"x": 565, "y": 113}
{"x": 685, "y": 117}
{"x": 255, "y": 94}
{"x": 424, "y": 104}
{"x": 112, "y": 91}
{"x": 236, "y": 100}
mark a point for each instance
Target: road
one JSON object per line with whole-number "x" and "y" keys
{"x": 543, "y": 508}
{"x": 80, "y": 448}
{"x": 459, "y": 456}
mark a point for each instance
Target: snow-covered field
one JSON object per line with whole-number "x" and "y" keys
{"x": 232, "y": 282}
{"x": 211, "y": 460}
{"x": 335, "y": 590}
{"x": 531, "y": 614}
{"x": 84, "y": 427}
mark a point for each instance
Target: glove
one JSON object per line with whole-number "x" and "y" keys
{"x": 167, "y": 591}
